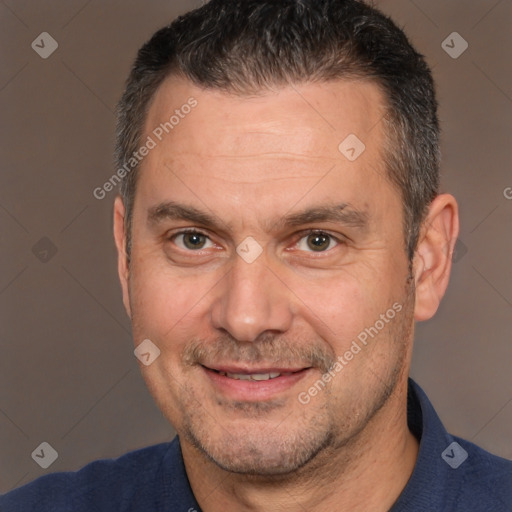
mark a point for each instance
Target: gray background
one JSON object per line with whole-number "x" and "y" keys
{"x": 67, "y": 371}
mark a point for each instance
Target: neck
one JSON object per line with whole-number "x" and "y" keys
{"x": 366, "y": 474}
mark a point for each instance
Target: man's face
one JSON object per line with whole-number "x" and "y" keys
{"x": 331, "y": 267}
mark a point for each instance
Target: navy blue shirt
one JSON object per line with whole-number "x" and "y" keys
{"x": 450, "y": 475}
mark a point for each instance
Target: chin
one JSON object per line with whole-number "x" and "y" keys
{"x": 259, "y": 450}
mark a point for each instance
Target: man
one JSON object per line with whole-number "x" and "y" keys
{"x": 279, "y": 232}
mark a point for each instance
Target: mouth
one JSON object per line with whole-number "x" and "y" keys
{"x": 253, "y": 384}
{"x": 257, "y": 374}
{"x": 254, "y": 376}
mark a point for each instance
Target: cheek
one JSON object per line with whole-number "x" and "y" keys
{"x": 164, "y": 304}
{"x": 340, "y": 306}
{"x": 334, "y": 306}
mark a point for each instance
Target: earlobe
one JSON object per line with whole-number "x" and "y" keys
{"x": 433, "y": 257}
{"x": 122, "y": 257}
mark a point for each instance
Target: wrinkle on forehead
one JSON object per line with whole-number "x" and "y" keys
{"x": 260, "y": 155}
{"x": 272, "y": 150}
{"x": 294, "y": 121}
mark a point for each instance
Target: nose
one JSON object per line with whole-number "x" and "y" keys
{"x": 252, "y": 299}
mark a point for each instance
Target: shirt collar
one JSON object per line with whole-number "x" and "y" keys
{"x": 425, "y": 488}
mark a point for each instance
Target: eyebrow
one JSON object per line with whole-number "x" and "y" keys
{"x": 342, "y": 213}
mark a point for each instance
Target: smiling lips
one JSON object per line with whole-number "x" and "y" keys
{"x": 257, "y": 374}
{"x": 254, "y": 376}
{"x": 253, "y": 383}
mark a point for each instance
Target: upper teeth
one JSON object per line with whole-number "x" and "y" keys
{"x": 253, "y": 376}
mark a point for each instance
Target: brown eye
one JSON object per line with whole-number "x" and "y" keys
{"x": 316, "y": 242}
{"x": 191, "y": 240}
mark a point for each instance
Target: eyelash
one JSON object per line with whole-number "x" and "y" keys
{"x": 300, "y": 235}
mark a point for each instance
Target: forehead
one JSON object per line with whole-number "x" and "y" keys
{"x": 308, "y": 120}
{"x": 276, "y": 147}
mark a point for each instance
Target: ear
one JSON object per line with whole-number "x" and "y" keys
{"x": 122, "y": 258}
{"x": 433, "y": 257}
